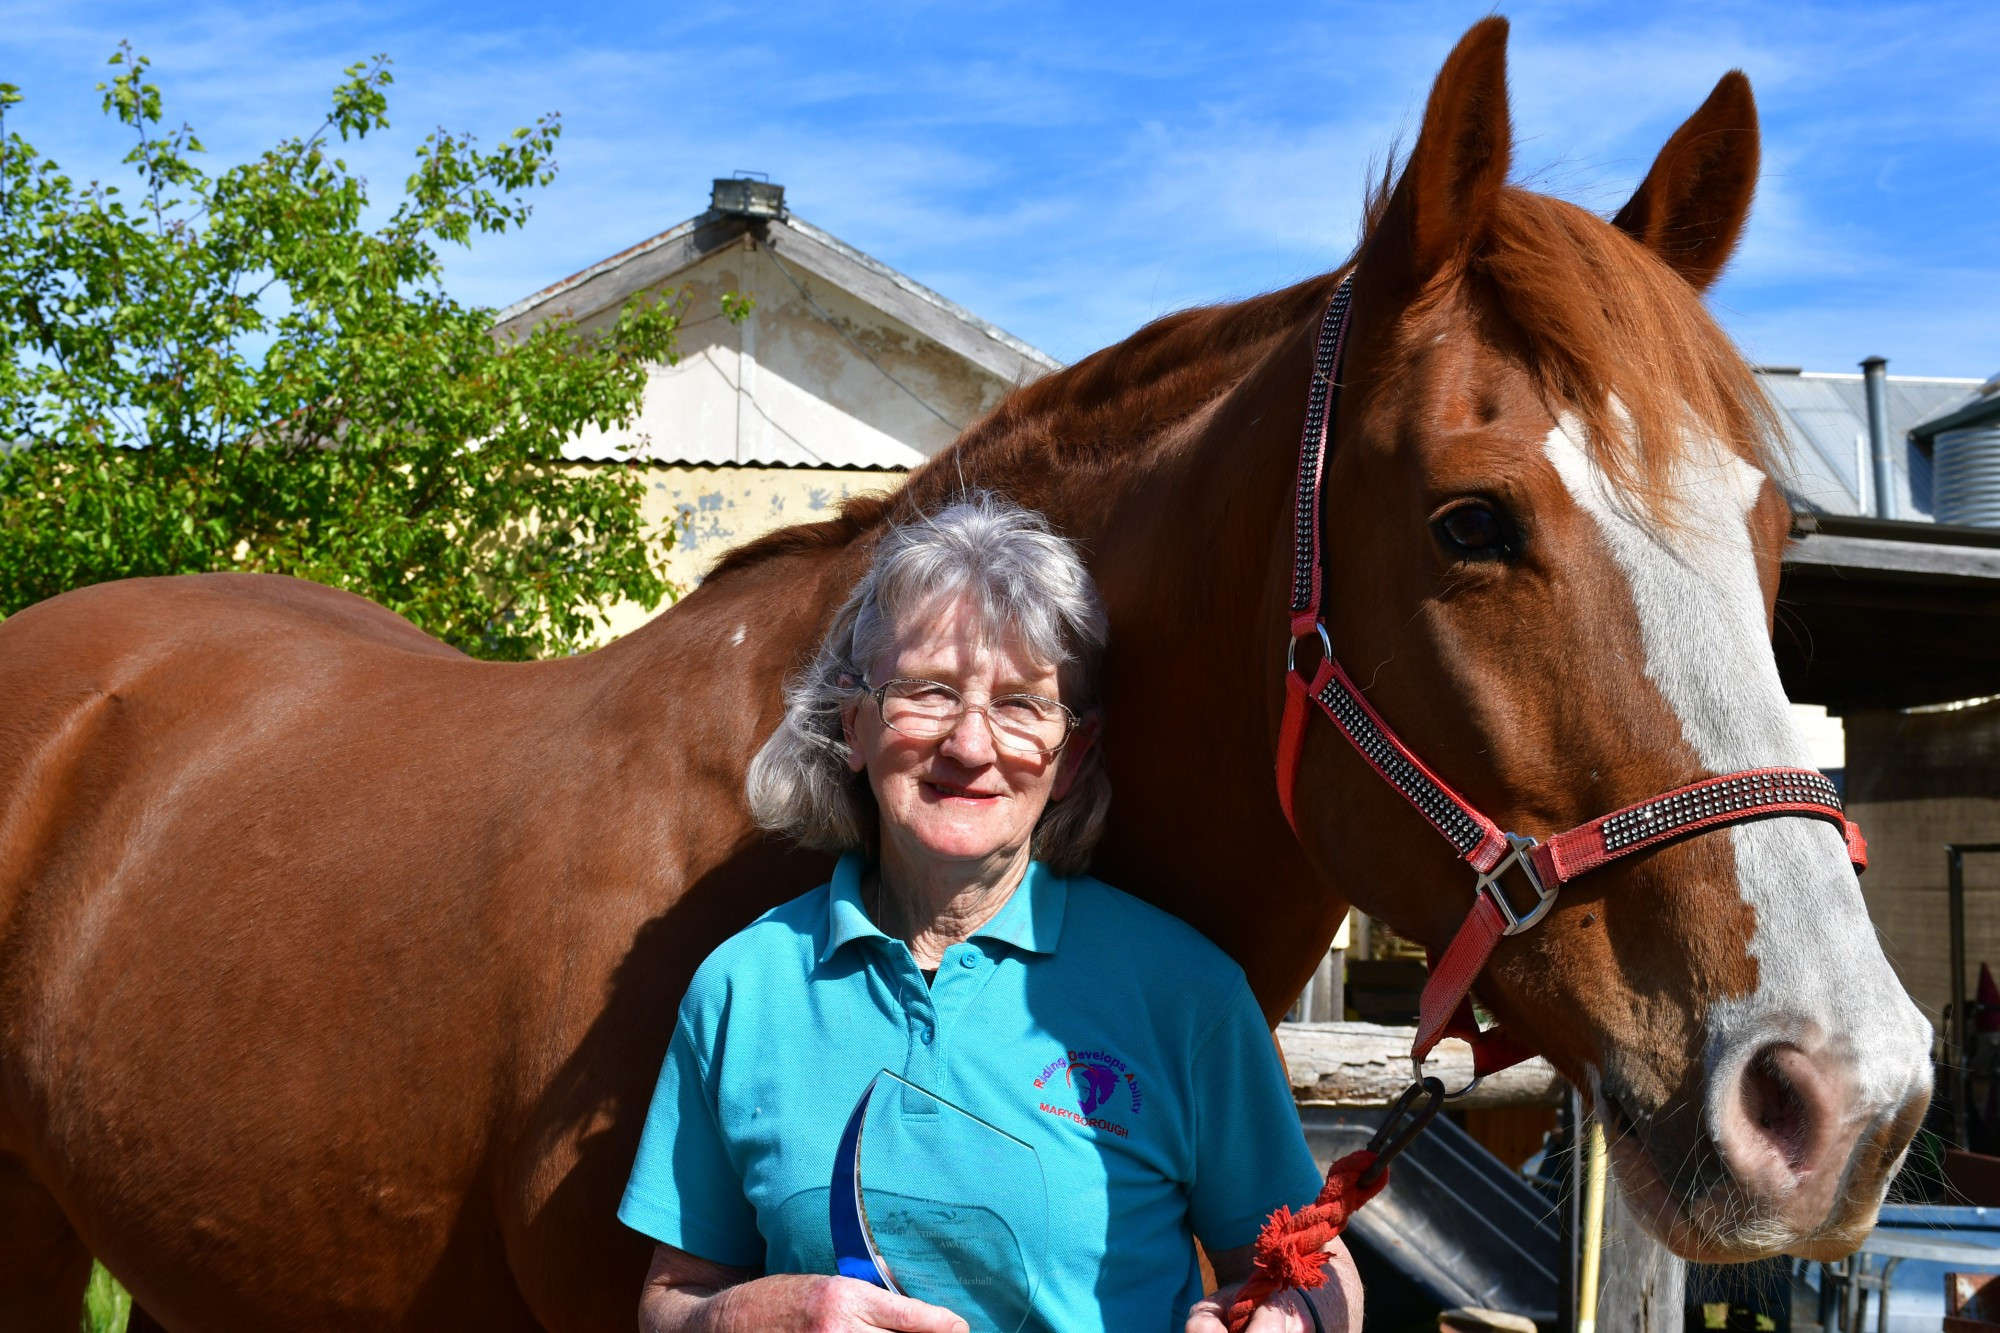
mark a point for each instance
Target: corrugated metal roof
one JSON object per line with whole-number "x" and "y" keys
{"x": 1825, "y": 420}
{"x": 1026, "y": 351}
{"x": 1980, "y": 408}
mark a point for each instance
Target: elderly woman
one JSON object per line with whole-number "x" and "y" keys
{"x": 943, "y": 741}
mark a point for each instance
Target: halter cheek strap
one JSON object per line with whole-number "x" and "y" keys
{"x": 1490, "y": 852}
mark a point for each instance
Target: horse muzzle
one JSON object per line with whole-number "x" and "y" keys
{"x": 1791, "y": 1152}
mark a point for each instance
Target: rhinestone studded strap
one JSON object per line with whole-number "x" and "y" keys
{"x": 1756, "y": 793}
{"x": 1472, "y": 835}
{"x": 1321, "y": 400}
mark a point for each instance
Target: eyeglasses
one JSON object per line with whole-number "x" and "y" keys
{"x": 927, "y": 710}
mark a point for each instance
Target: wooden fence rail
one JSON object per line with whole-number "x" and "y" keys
{"x": 1366, "y": 1064}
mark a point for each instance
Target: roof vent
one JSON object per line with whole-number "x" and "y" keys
{"x": 1875, "y": 393}
{"x": 745, "y": 196}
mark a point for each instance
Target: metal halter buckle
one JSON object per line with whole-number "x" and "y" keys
{"x": 1518, "y": 847}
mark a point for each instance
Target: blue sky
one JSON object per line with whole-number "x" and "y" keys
{"x": 1070, "y": 171}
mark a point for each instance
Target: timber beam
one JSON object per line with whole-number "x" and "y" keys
{"x": 1367, "y": 1064}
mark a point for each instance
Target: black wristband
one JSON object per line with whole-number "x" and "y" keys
{"x": 1312, "y": 1312}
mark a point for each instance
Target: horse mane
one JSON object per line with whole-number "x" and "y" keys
{"x": 1606, "y": 328}
{"x": 1610, "y": 332}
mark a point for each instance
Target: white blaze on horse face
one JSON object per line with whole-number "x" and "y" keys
{"x": 1822, "y": 982}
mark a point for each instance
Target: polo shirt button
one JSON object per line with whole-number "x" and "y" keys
{"x": 968, "y": 960}
{"x": 925, "y": 1036}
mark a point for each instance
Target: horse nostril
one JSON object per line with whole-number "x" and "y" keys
{"x": 1772, "y": 1103}
{"x": 1783, "y": 1132}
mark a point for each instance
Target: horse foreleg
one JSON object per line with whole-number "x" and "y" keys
{"x": 44, "y": 1266}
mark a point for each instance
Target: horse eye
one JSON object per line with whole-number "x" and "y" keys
{"x": 1475, "y": 530}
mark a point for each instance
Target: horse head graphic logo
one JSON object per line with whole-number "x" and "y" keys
{"x": 1093, "y": 1084}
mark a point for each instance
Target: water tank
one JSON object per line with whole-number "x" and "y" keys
{"x": 1965, "y": 476}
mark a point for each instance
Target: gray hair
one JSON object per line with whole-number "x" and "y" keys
{"x": 1028, "y": 584}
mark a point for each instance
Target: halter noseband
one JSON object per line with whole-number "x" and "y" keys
{"x": 1446, "y": 1009}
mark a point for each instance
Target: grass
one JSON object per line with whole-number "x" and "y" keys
{"x": 106, "y": 1305}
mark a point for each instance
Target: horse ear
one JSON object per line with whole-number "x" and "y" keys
{"x": 1691, "y": 207}
{"x": 1444, "y": 201}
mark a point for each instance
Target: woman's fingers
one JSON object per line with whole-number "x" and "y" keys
{"x": 800, "y": 1304}
{"x": 1338, "y": 1303}
{"x": 1283, "y": 1313}
{"x": 1205, "y": 1316}
{"x": 899, "y": 1314}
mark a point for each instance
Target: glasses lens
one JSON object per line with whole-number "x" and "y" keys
{"x": 1028, "y": 722}
{"x": 1025, "y": 723}
{"x": 921, "y": 708}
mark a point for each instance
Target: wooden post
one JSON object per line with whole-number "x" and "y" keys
{"x": 1590, "y": 1262}
{"x": 1325, "y": 1001}
{"x": 1644, "y": 1287}
{"x": 1569, "y": 1124}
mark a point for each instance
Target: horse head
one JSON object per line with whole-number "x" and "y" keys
{"x": 1553, "y": 546}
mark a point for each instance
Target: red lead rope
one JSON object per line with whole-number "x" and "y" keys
{"x": 1291, "y": 1249}
{"x": 1446, "y": 1006}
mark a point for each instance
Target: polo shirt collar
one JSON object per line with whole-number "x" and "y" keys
{"x": 846, "y": 918}
{"x": 1030, "y": 919}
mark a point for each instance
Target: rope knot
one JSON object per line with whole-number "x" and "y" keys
{"x": 1291, "y": 1246}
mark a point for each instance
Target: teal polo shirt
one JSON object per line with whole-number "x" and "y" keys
{"x": 1109, "y": 1035}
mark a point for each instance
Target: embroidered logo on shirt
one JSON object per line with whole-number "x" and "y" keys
{"x": 1094, "y": 1084}
{"x": 1101, "y": 1083}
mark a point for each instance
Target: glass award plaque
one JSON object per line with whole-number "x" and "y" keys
{"x": 933, "y": 1203}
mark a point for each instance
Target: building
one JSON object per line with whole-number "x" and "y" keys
{"x": 1963, "y": 444}
{"x": 1825, "y": 417}
{"x": 1889, "y": 618}
{"x": 844, "y": 375}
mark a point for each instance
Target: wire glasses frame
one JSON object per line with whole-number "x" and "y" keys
{"x": 931, "y": 710}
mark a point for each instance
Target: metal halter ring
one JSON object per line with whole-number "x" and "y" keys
{"x": 1417, "y": 1066}
{"x": 1417, "y": 1071}
{"x": 1389, "y": 1142}
{"x": 1292, "y": 648}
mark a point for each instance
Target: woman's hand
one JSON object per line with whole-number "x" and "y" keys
{"x": 685, "y": 1293}
{"x": 1338, "y": 1303}
{"x": 805, "y": 1303}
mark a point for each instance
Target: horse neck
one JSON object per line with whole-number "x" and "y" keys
{"x": 1187, "y": 530}
{"x": 1184, "y": 517}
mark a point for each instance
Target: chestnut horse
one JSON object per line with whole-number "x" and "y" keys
{"x": 336, "y": 967}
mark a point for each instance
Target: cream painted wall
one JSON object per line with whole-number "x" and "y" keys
{"x": 711, "y": 509}
{"x": 788, "y": 387}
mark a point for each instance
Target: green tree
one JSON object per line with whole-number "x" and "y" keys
{"x": 203, "y": 372}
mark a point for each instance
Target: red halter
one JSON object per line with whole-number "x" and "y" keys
{"x": 1445, "y": 1009}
